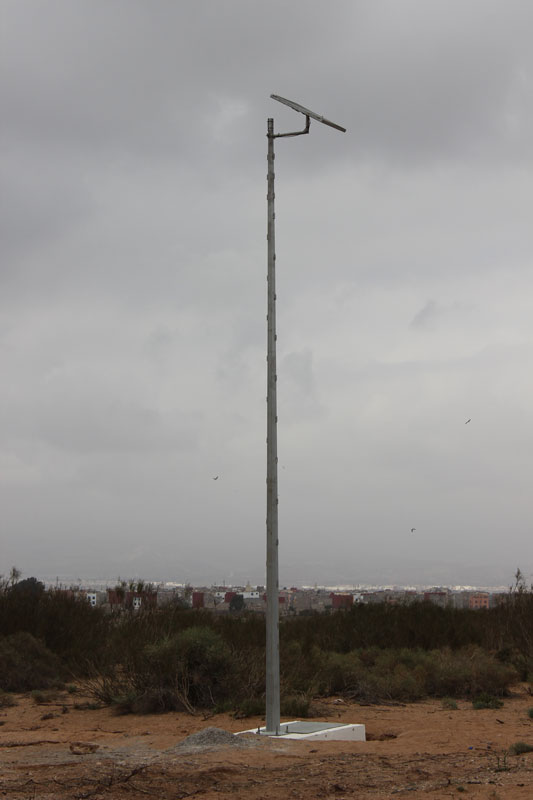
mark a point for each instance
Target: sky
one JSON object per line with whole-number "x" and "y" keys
{"x": 133, "y": 289}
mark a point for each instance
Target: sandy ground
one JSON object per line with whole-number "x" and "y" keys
{"x": 418, "y": 751}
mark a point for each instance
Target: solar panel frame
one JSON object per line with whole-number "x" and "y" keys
{"x": 303, "y": 110}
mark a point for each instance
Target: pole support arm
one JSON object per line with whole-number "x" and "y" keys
{"x": 295, "y": 133}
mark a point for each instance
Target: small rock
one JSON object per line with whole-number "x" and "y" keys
{"x": 82, "y": 748}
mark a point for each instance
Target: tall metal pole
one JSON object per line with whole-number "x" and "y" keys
{"x": 272, "y": 578}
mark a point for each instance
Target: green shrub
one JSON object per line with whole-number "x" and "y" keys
{"x": 191, "y": 669}
{"x": 130, "y": 703}
{"x": 469, "y": 672}
{"x": 449, "y": 704}
{"x": 372, "y": 675}
{"x": 6, "y": 700}
{"x": 66, "y": 624}
{"x": 530, "y": 713}
{"x": 249, "y": 707}
{"x": 375, "y": 675}
{"x": 41, "y": 696}
{"x": 294, "y": 706}
{"x": 485, "y": 700}
{"x": 26, "y": 664}
{"x": 193, "y": 666}
{"x": 520, "y": 747}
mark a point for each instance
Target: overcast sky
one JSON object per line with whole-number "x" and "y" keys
{"x": 133, "y": 291}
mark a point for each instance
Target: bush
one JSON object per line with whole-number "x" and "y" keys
{"x": 290, "y": 706}
{"x": 26, "y": 664}
{"x": 66, "y": 624}
{"x": 250, "y": 707}
{"x": 520, "y": 747}
{"x": 299, "y": 670}
{"x": 295, "y": 706}
{"x": 485, "y": 700}
{"x": 375, "y": 675}
{"x": 449, "y": 704}
{"x": 469, "y": 672}
{"x": 530, "y": 713}
{"x": 191, "y": 669}
{"x": 6, "y": 700}
{"x": 41, "y": 696}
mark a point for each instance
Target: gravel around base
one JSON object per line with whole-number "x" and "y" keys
{"x": 212, "y": 737}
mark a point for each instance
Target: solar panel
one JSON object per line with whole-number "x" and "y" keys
{"x": 303, "y": 110}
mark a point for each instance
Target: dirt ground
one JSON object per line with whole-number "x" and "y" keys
{"x": 422, "y": 750}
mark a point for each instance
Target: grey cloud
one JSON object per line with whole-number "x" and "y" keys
{"x": 298, "y": 367}
{"x": 302, "y": 398}
{"x": 433, "y": 313}
{"x": 409, "y": 80}
{"x": 83, "y": 422}
{"x": 41, "y": 203}
{"x": 425, "y": 316}
{"x": 107, "y": 427}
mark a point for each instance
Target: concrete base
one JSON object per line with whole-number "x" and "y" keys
{"x": 315, "y": 731}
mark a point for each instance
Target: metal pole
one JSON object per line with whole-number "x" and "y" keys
{"x": 272, "y": 579}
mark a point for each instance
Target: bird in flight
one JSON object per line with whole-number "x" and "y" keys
{"x": 216, "y": 478}
{"x": 468, "y": 420}
{"x": 413, "y": 530}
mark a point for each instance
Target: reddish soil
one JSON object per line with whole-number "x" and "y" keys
{"x": 417, "y": 751}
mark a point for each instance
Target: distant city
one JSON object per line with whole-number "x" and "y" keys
{"x": 293, "y": 600}
{"x": 356, "y": 573}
